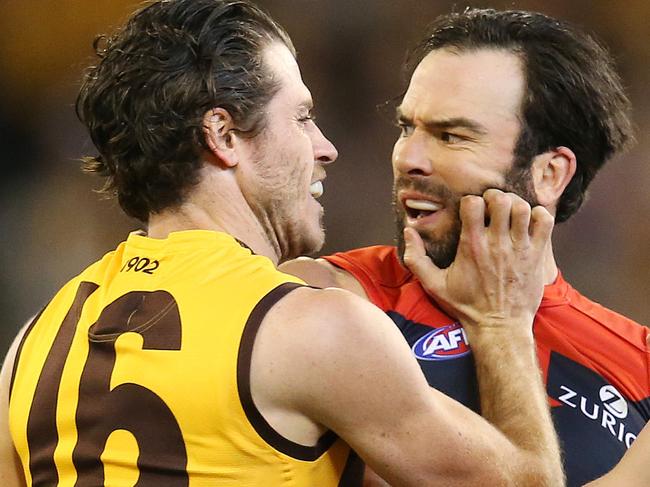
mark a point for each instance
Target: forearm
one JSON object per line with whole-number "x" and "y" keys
{"x": 494, "y": 286}
{"x": 371, "y": 479}
{"x": 513, "y": 400}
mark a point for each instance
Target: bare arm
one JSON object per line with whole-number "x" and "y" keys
{"x": 320, "y": 273}
{"x": 633, "y": 468}
{"x": 348, "y": 368}
{"x": 11, "y": 472}
{"x": 356, "y": 375}
{"x": 496, "y": 277}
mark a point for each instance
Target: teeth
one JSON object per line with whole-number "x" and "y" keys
{"x": 422, "y": 205}
{"x": 316, "y": 189}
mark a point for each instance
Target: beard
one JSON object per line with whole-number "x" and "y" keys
{"x": 279, "y": 202}
{"x": 442, "y": 249}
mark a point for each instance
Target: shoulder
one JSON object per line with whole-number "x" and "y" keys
{"x": 312, "y": 337}
{"x": 324, "y": 326}
{"x": 377, "y": 268}
{"x": 563, "y": 305}
{"x": 607, "y": 321}
{"x": 381, "y": 260}
{"x": 310, "y": 310}
{"x": 588, "y": 336}
{"x": 326, "y": 341}
{"x": 323, "y": 274}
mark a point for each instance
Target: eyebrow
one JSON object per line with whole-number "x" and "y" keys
{"x": 446, "y": 123}
{"x": 307, "y": 104}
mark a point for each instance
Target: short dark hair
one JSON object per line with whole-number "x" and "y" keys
{"x": 144, "y": 101}
{"x": 574, "y": 97}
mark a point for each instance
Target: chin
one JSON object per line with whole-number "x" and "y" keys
{"x": 306, "y": 241}
{"x": 314, "y": 234}
{"x": 313, "y": 241}
{"x": 440, "y": 247}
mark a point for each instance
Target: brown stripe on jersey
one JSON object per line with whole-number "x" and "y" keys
{"x": 242, "y": 244}
{"x": 20, "y": 349}
{"x": 353, "y": 471}
{"x": 42, "y": 435}
{"x": 263, "y": 428}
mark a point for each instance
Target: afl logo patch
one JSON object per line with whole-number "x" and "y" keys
{"x": 445, "y": 343}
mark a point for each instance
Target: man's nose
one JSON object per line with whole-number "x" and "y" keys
{"x": 324, "y": 150}
{"x": 412, "y": 155}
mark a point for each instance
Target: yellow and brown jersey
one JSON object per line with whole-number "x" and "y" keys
{"x": 137, "y": 373}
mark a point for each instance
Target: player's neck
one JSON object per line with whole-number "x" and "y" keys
{"x": 161, "y": 225}
{"x": 223, "y": 211}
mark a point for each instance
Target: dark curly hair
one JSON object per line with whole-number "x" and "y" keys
{"x": 144, "y": 102}
{"x": 574, "y": 96}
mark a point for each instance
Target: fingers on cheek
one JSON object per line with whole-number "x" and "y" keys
{"x": 499, "y": 206}
{"x": 472, "y": 213}
{"x": 542, "y": 224}
{"x": 520, "y": 219}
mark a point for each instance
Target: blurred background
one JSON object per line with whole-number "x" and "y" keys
{"x": 52, "y": 224}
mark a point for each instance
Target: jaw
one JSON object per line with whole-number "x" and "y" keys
{"x": 440, "y": 234}
{"x": 300, "y": 232}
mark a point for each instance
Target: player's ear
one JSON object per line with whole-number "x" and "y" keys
{"x": 551, "y": 173}
{"x": 218, "y": 128}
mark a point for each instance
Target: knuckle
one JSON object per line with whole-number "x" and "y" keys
{"x": 501, "y": 199}
{"x": 492, "y": 193}
{"x": 540, "y": 211}
{"x": 470, "y": 200}
{"x": 520, "y": 207}
{"x": 471, "y": 205}
{"x": 499, "y": 250}
{"x": 470, "y": 244}
{"x": 542, "y": 216}
{"x": 516, "y": 198}
{"x": 503, "y": 246}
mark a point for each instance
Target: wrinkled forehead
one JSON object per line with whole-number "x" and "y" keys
{"x": 480, "y": 82}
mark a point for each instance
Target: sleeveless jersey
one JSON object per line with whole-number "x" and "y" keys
{"x": 595, "y": 362}
{"x": 138, "y": 373}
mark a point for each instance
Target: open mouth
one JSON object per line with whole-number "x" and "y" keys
{"x": 316, "y": 189}
{"x": 417, "y": 209}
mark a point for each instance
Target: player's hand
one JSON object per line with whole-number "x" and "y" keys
{"x": 496, "y": 279}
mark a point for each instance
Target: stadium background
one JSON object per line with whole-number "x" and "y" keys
{"x": 52, "y": 225}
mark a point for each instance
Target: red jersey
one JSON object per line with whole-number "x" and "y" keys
{"x": 595, "y": 362}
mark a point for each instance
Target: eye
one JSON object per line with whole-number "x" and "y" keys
{"x": 405, "y": 129}
{"x": 450, "y": 138}
{"x": 310, "y": 117}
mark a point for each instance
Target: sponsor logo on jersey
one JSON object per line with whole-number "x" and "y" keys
{"x": 613, "y": 401}
{"x": 609, "y": 411}
{"x": 445, "y": 343}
